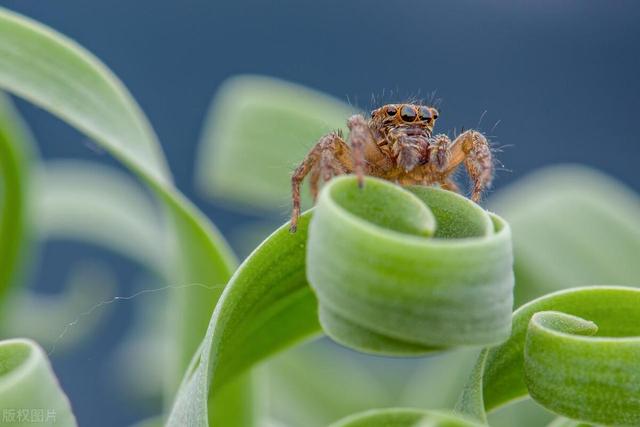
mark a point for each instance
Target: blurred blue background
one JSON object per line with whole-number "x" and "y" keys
{"x": 561, "y": 78}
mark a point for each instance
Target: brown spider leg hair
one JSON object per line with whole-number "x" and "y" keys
{"x": 439, "y": 156}
{"x": 329, "y": 157}
{"x": 440, "y": 152}
{"x": 359, "y": 136}
{"x": 313, "y": 183}
{"x": 471, "y": 148}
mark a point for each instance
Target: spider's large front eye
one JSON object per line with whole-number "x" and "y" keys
{"x": 425, "y": 114}
{"x": 391, "y": 111}
{"x": 408, "y": 114}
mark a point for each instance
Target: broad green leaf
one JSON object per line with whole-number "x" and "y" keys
{"x": 97, "y": 204}
{"x": 552, "y": 357}
{"x": 257, "y": 130}
{"x": 55, "y": 73}
{"x": 268, "y": 306}
{"x": 27, "y": 383}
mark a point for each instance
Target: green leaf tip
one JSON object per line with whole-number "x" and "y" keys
{"x": 386, "y": 286}
{"x": 554, "y": 321}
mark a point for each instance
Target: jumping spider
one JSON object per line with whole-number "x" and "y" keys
{"x": 396, "y": 144}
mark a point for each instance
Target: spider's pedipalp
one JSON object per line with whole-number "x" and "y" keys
{"x": 359, "y": 136}
{"x": 440, "y": 152}
{"x": 408, "y": 152}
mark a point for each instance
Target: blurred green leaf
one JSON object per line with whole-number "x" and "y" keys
{"x": 571, "y": 225}
{"x": 55, "y": 73}
{"x": 257, "y": 130}
{"x": 318, "y": 383}
{"x": 15, "y": 167}
{"x": 97, "y": 204}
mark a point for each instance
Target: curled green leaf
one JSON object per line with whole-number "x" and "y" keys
{"x": 592, "y": 379}
{"x": 576, "y": 352}
{"x": 27, "y": 383}
{"x": 385, "y": 286}
{"x": 268, "y": 305}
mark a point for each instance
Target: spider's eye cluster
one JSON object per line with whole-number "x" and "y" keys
{"x": 425, "y": 114}
{"x": 391, "y": 111}
{"x": 408, "y": 113}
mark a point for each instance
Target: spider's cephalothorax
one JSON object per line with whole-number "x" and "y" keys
{"x": 396, "y": 143}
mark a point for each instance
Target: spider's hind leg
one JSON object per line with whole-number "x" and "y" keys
{"x": 472, "y": 148}
{"x": 328, "y": 158}
{"x": 314, "y": 181}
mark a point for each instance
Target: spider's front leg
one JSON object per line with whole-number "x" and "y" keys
{"x": 471, "y": 148}
{"x": 328, "y": 158}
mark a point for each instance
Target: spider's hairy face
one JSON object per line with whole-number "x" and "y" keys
{"x": 392, "y": 116}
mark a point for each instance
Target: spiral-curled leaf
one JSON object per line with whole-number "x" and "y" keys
{"x": 268, "y": 305}
{"x": 385, "y": 286}
{"x": 27, "y": 383}
{"x": 576, "y": 352}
